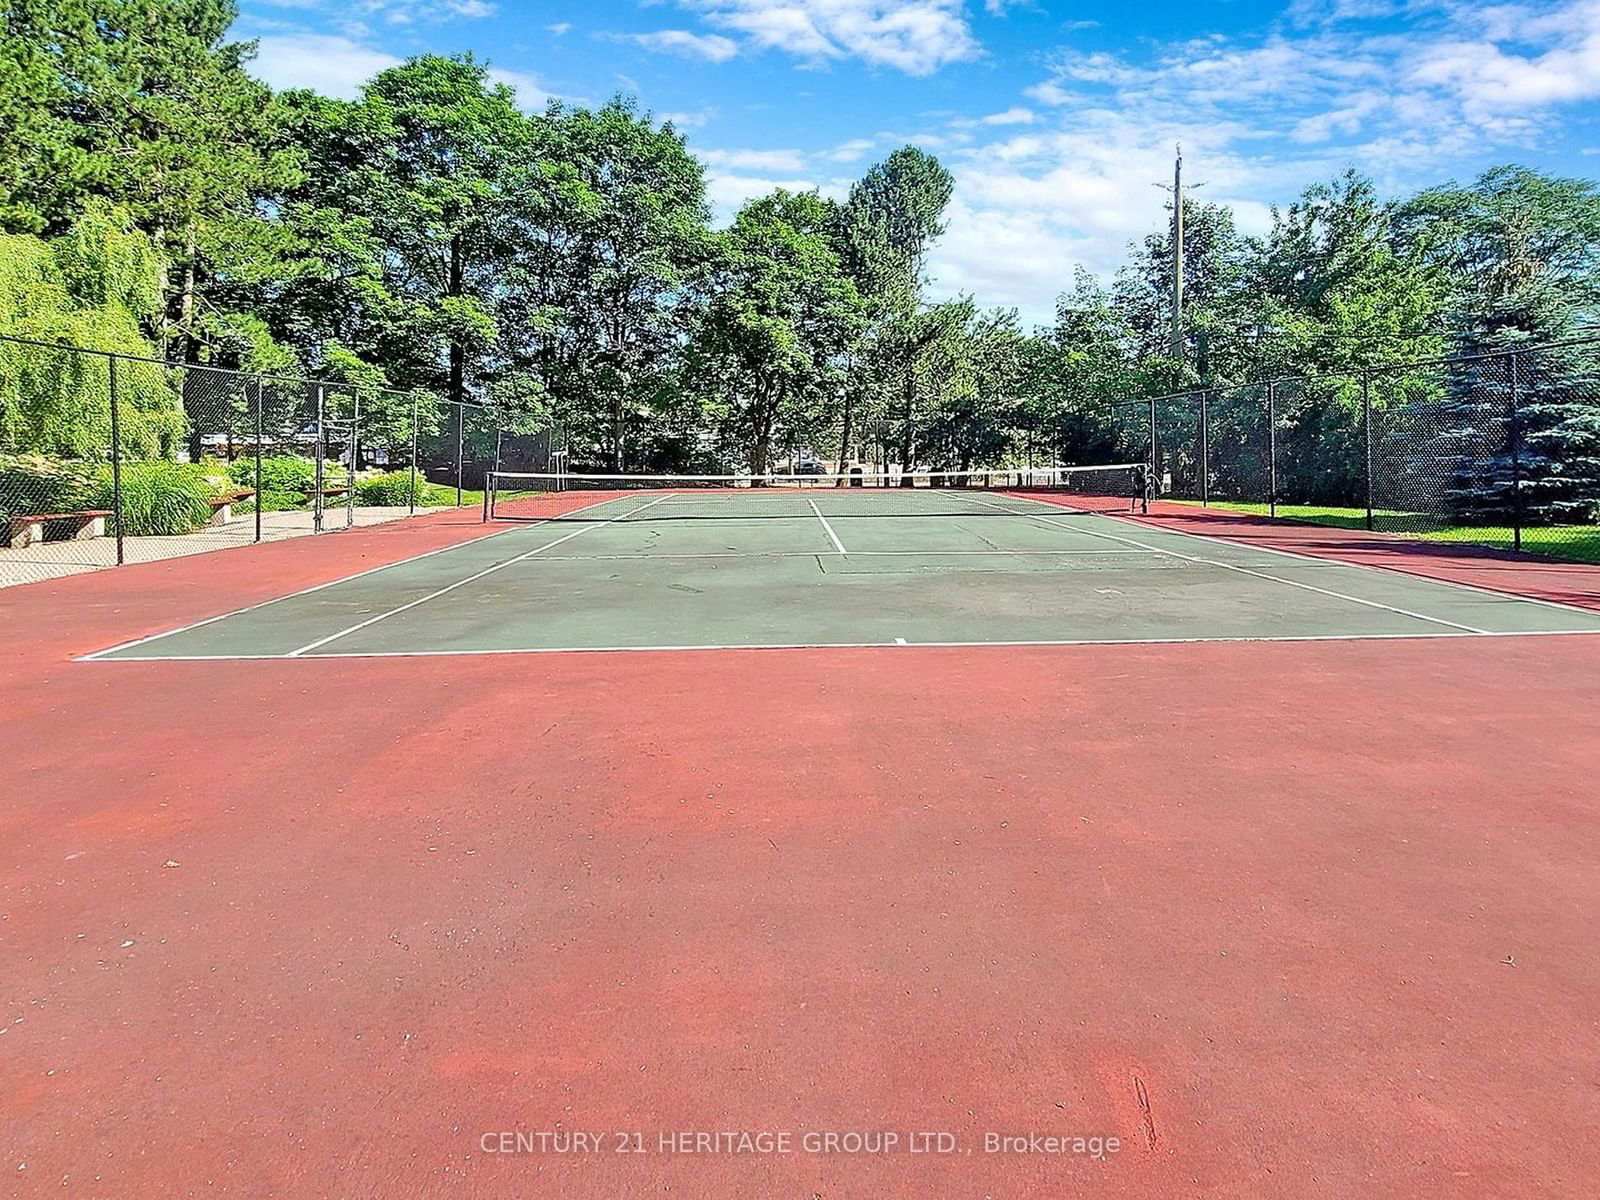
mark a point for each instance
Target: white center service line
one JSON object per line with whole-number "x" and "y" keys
{"x": 1212, "y": 562}
{"x": 384, "y": 616}
{"x": 837, "y": 544}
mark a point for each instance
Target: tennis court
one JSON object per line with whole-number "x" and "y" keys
{"x": 671, "y": 567}
{"x": 1237, "y": 849}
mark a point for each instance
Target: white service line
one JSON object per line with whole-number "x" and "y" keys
{"x": 1211, "y": 562}
{"x": 1096, "y": 551}
{"x": 317, "y": 587}
{"x": 897, "y": 644}
{"x": 384, "y": 616}
{"x": 837, "y": 544}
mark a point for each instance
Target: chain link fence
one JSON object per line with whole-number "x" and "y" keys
{"x": 1499, "y": 449}
{"x": 108, "y": 458}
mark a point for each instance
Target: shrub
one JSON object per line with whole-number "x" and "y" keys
{"x": 391, "y": 489}
{"x": 288, "y": 474}
{"x": 271, "y": 502}
{"x": 159, "y": 498}
{"x": 33, "y": 483}
{"x": 281, "y": 501}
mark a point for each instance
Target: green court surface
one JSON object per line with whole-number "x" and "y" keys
{"x": 754, "y": 568}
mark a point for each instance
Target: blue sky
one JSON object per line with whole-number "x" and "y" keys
{"x": 1056, "y": 118}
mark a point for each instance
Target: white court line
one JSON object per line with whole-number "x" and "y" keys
{"x": 837, "y": 544}
{"x": 1211, "y": 562}
{"x": 1319, "y": 560}
{"x": 239, "y": 612}
{"x": 853, "y": 554}
{"x": 384, "y": 616}
{"x": 894, "y": 645}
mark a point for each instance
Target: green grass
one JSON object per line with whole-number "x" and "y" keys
{"x": 435, "y": 496}
{"x": 1578, "y": 542}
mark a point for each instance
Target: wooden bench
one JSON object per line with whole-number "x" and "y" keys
{"x": 310, "y": 493}
{"x": 24, "y": 529}
{"x": 222, "y": 506}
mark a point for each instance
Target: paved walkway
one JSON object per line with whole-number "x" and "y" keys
{"x": 52, "y": 560}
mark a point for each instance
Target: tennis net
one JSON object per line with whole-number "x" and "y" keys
{"x": 1118, "y": 487}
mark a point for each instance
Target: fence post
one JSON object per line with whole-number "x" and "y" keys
{"x": 497, "y": 432}
{"x": 461, "y": 437}
{"x": 1366, "y": 437}
{"x": 1517, "y": 514}
{"x": 258, "y": 457}
{"x": 316, "y": 498}
{"x": 1155, "y": 450}
{"x": 413, "y": 454}
{"x": 1205, "y": 450}
{"x": 116, "y": 456}
{"x": 1272, "y": 449}
{"x": 355, "y": 446}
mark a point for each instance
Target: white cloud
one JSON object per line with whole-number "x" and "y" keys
{"x": 727, "y": 192}
{"x": 334, "y": 66}
{"x": 1011, "y": 116}
{"x": 338, "y": 66}
{"x": 756, "y": 160}
{"x": 409, "y": 12}
{"x": 690, "y": 120}
{"x": 1259, "y": 118}
{"x": 1049, "y": 92}
{"x": 851, "y": 151}
{"x": 531, "y": 95}
{"x": 1520, "y": 61}
{"x": 712, "y": 47}
{"x": 560, "y": 28}
{"x": 914, "y": 36}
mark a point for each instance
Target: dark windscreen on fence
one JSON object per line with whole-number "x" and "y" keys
{"x": 1499, "y": 449}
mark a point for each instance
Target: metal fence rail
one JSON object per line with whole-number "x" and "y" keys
{"x": 1499, "y": 448}
{"x": 107, "y": 458}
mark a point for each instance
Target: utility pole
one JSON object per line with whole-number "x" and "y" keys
{"x": 1178, "y": 343}
{"x": 1177, "y": 256}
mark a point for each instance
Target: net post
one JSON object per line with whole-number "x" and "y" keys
{"x": 260, "y": 425}
{"x": 1366, "y": 438}
{"x": 489, "y": 481}
{"x": 1272, "y": 449}
{"x": 318, "y": 474}
{"x": 116, "y": 454}
{"x": 1205, "y": 450}
{"x": 413, "y": 504}
{"x": 1515, "y": 434}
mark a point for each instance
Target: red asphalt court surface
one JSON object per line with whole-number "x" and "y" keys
{"x": 1287, "y": 919}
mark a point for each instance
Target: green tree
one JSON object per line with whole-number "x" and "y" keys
{"x": 976, "y": 371}
{"x": 440, "y": 186}
{"x": 147, "y": 106}
{"x": 615, "y": 239}
{"x": 893, "y": 215}
{"x": 780, "y": 314}
{"x": 94, "y": 286}
{"x": 41, "y": 169}
{"x": 1522, "y": 252}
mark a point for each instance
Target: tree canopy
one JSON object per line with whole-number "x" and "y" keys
{"x": 566, "y": 267}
